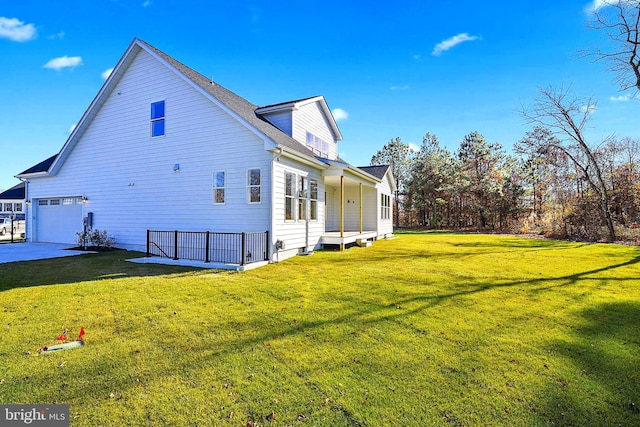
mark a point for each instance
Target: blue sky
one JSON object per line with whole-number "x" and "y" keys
{"x": 401, "y": 68}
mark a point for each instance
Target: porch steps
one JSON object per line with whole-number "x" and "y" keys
{"x": 363, "y": 243}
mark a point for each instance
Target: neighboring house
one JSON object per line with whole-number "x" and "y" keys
{"x": 12, "y": 202}
{"x": 162, "y": 147}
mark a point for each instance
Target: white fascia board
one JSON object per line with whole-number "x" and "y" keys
{"x": 295, "y": 155}
{"x": 27, "y": 176}
{"x": 277, "y": 108}
{"x": 344, "y": 169}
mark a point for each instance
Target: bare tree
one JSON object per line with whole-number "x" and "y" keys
{"x": 568, "y": 116}
{"x": 620, "y": 20}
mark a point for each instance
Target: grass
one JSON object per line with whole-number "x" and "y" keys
{"x": 426, "y": 329}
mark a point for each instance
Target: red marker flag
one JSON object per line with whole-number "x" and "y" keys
{"x": 81, "y": 333}
{"x": 61, "y": 338}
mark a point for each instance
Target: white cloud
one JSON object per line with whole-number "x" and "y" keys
{"x": 621, "y": 98}
{"x": 405, "y": 87}
{"x": 340, "y": 114}
{"x": 106, "y": 73}
{"x": 414, "y": 147}
{"x": 449, "y": 43}
{"x": 72, "y": 128}
{"x": 147, "y": 3}
{"x": 59, "y": 35}
{"x": 417, "y": 57}
{"x": 596, "y": 5}
{"x": 64, "y": 62}
{"x": 589, "y": 109}
{"x": 16, "y": 30}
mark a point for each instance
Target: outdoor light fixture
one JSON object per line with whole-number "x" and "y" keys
{"x": 27, "y": 202}
{"x": 84, "y": 199}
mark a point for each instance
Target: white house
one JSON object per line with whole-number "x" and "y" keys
{"x": 162, "y": 147}
{"x": 12, "y": 202}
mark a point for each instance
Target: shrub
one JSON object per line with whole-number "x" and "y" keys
{"x": 96, "y": 239}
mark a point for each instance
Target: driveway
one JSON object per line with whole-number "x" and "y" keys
{"x": 12, "y": 252}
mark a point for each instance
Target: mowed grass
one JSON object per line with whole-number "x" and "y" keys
{"x": 426, "y": 329}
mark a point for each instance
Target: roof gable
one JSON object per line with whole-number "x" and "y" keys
{"x": 299, "y": 103}
{"x": 238, "y": 107}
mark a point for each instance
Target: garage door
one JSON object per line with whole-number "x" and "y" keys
{"x": 58, "y": 220}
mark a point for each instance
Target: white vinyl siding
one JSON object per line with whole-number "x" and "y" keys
{"x": 294, "y": 232}
{"x": 281, "y": 120}
{"x": 311, "y": 118}
{"x": 129, "y": 178}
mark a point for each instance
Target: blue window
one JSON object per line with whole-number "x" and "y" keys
{"x": 157, "y": 118}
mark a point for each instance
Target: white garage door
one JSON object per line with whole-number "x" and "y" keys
{"x": 58, "y": 220}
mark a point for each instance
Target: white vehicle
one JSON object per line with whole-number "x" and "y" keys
{"x": 5, "y": 226}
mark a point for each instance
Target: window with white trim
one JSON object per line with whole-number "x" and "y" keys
{"x": 302, "y": 198}
{"x": 385, "y": 206}
{"x": 317, "y": 145}
{"x": 18, "y": 207}
{"x": 8, "y": 207}
{"x": 157, "y": 118}
{"x": 253, "y": 185}
{"x": 313, "y": 199}
{"x": 218, "y": 188}
{"x": 289, "y": 196}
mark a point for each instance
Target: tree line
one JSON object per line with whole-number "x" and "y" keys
{"x": 556, "y": 182}
{"x": 546, "y": 186}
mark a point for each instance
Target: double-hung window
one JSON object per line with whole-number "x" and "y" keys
{"x": 157, "y": 118}
{"x": 385, "y": 206}
{"x": 253, "y": 185}
{"x": 302, "y": 198}
{"x": 218, "y": 188}
{"x": 313, "y": 199}
{"x": 289, "y": 196}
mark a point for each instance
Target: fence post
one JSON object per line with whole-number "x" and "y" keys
{"x": 175, "y": 244}
{"x": 206, "y": 248}
{"x": 243, "y": 248}
{"x": 148, "y": 238}
{"x": 267, "y": 245}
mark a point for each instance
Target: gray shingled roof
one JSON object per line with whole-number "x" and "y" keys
{"x": 377, "y": 171}
{"x": 16, "y": 192}
{"x": 245, "y": 109}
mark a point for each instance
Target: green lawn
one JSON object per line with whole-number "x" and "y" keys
{"x": 423, "y": 330}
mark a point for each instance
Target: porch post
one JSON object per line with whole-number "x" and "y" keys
{"x": 342, "y": 213}
{"x": 360, "y": 208}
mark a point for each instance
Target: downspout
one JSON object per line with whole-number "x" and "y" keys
{"x": 272, "y": 250}
{"x": 342, "y": 212}
{"x": 360, "y": 208}
{"x": 27, "y": 207}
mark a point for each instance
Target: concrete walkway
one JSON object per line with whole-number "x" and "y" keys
{"x": 13, "y": 252}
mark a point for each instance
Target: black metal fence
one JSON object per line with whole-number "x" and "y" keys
{"x": 209, "y": 246}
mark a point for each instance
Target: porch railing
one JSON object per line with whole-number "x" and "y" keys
{"x": 209, "y": 246}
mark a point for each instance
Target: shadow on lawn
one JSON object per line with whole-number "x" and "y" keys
{"x": 81, "y": 268}
{"x": 606, "y": 351}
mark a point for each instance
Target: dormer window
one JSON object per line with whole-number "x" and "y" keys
{"x": 157, "y": 119}
{"x": 317, "y": 145}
